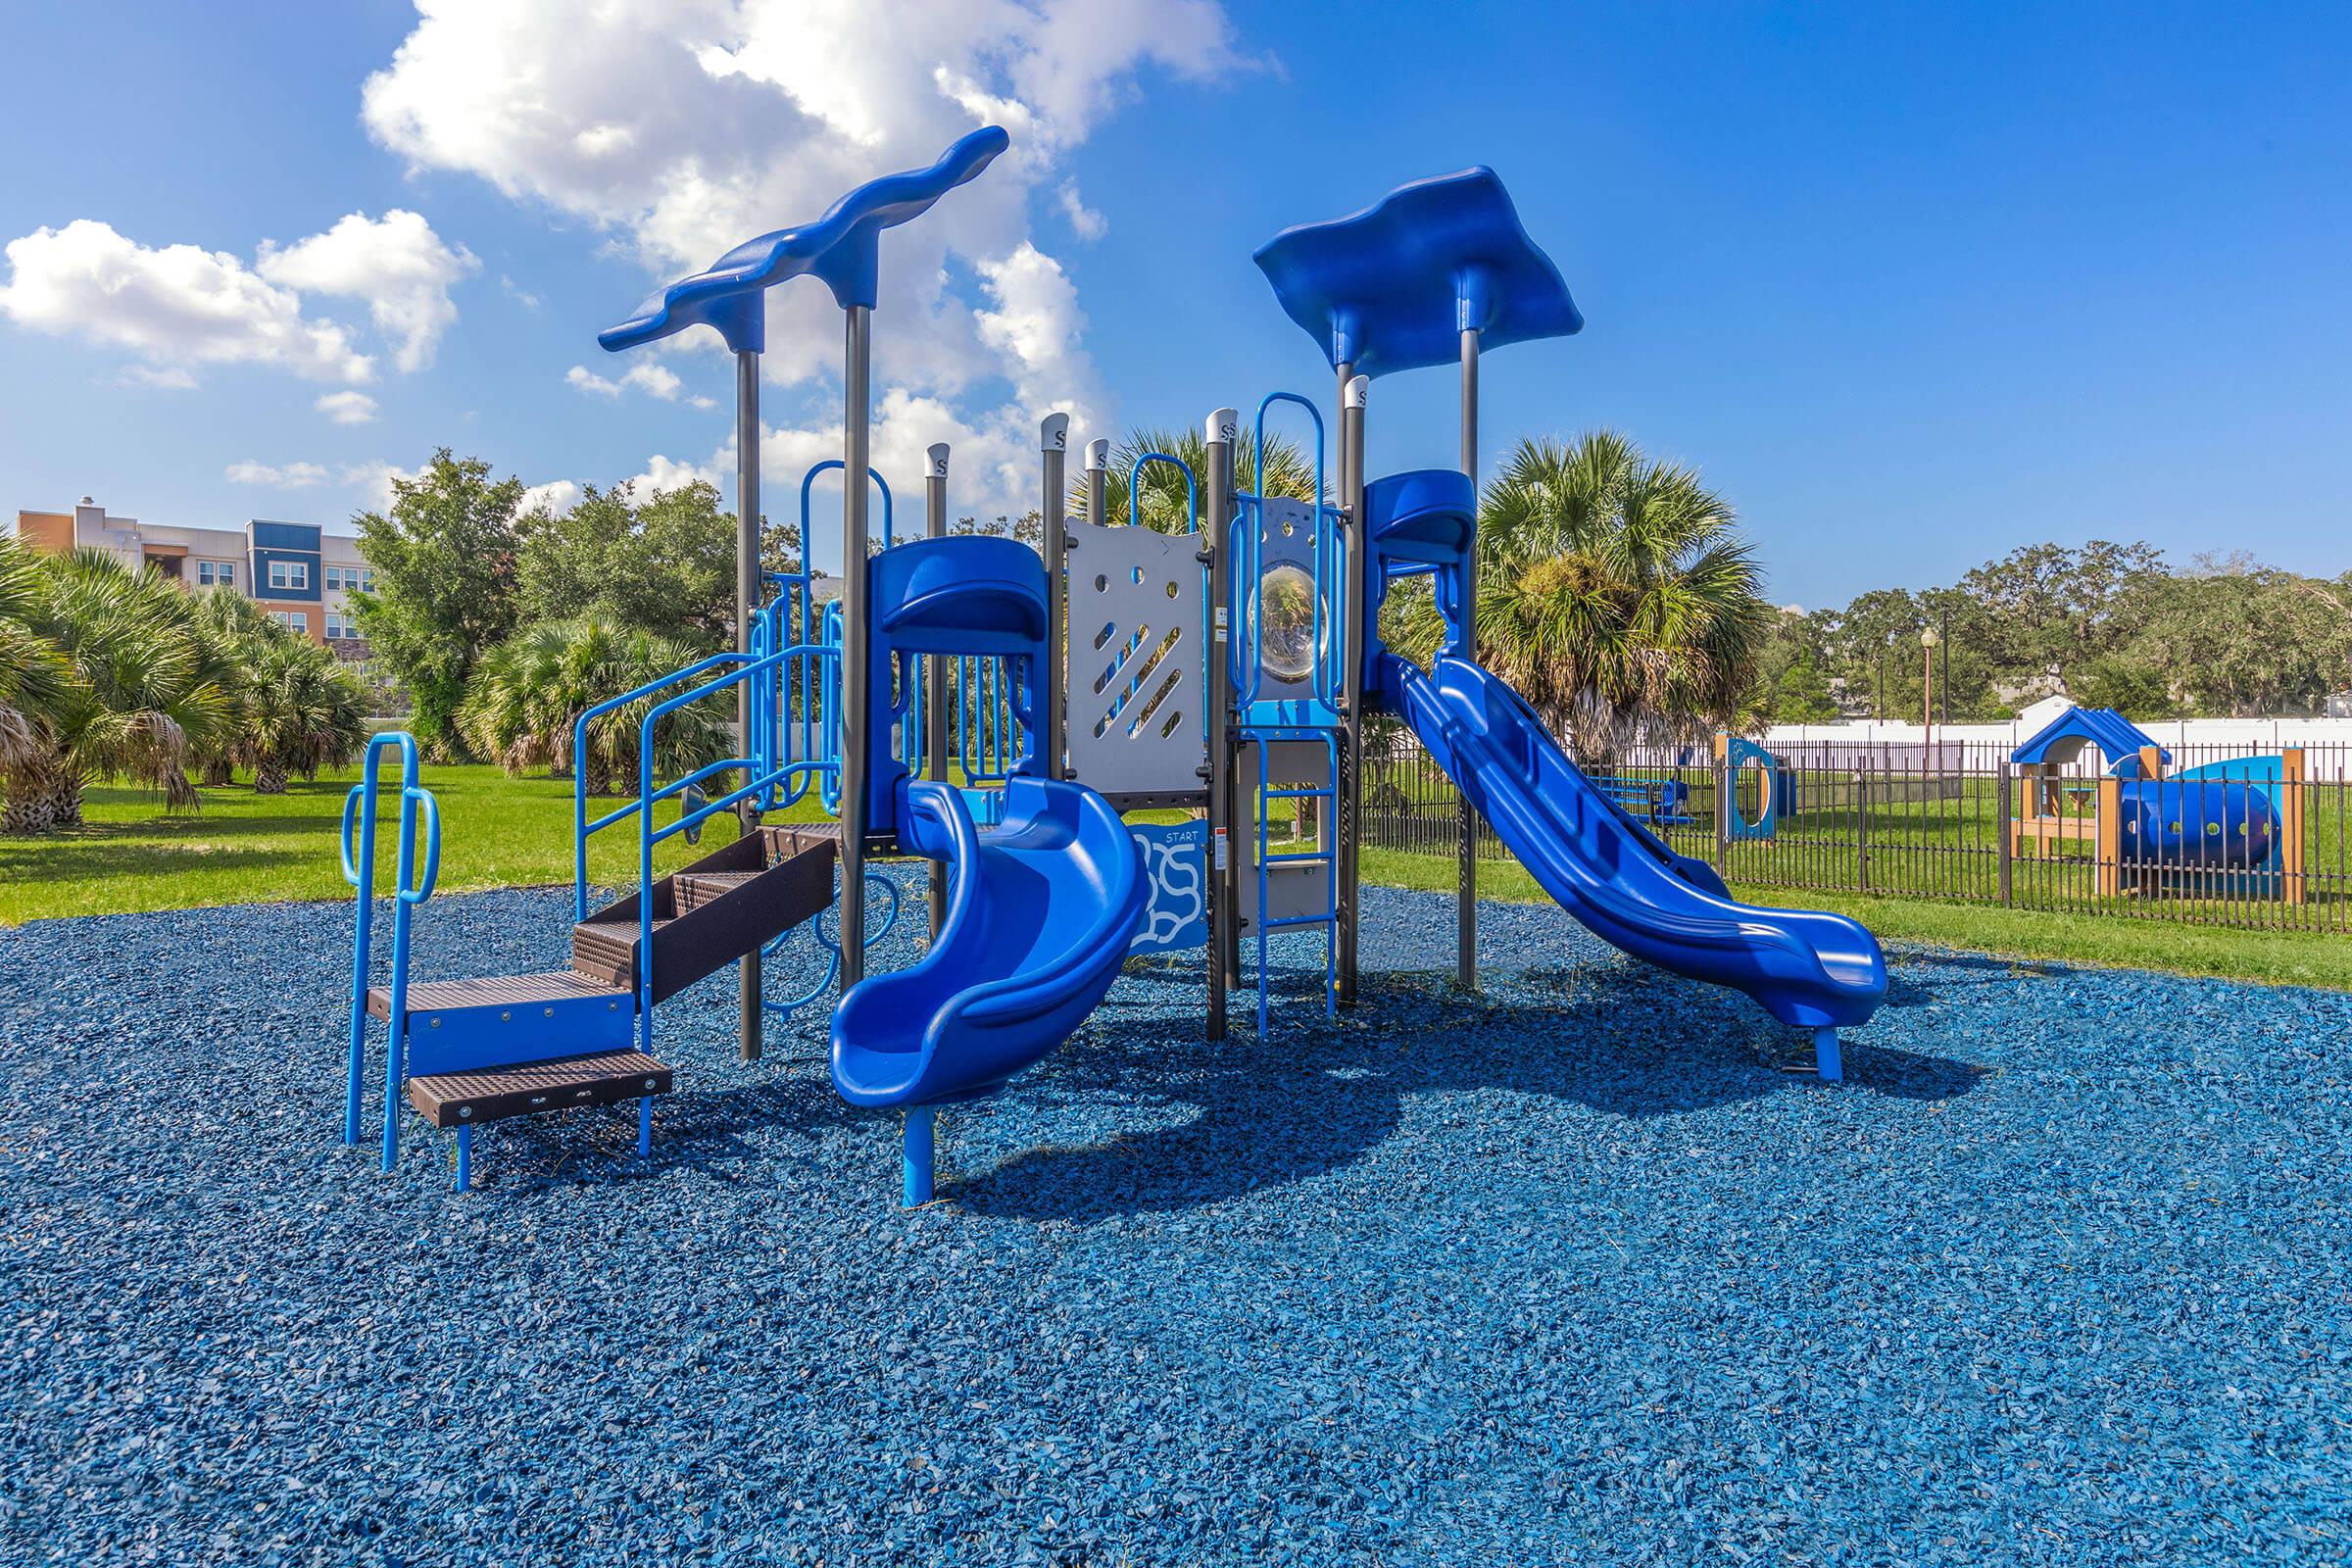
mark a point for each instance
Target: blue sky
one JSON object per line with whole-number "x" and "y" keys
{"x": 1910, "y": 288}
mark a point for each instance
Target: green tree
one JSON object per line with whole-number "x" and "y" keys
{"x": 444, "y": 563}
{"x": 144, "y": 690}
{"x": 665, "y": 564}
{"x": 299, "y": 712}
{"x": 528, "y": 692}
{"x": 2047, "y": 609}
{"x": 2242, "y": 639}
{"x": 34, "y": 678}
{"x": 1615, "y": 593}
{"x": 1290, "y": 472}
{"x": 2133, "y": 687}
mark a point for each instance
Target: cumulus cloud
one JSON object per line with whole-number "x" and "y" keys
{"x": 167, "y": 378}
{"x": 555, "y": 496}
{"x": 374, "y": 481}
{"x": 347, "y": 408}
{"x": 1085, "y": 222}
{"x": 682, "y": 128}
{"x": 395, "y": 262}
{"x": 175, "y": 308}
{"x": 649, "y": 376}
{"x": 281, "y": 477}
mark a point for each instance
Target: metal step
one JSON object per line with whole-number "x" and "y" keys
{"x": 495, "y": 1022}
{"x": 726, "y": 905}
{"x": 470, "y": 1099}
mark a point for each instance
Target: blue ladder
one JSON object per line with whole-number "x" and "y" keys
{"x": 1328, "y": 918}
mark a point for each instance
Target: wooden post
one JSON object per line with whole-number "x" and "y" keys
{"x": 2290, "y": 827}
{"x": 2109, "y": 846}
{"x": 2151, "y": 763}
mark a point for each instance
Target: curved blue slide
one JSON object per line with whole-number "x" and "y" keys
{"x": 1040, "y": 915}
{"x": 1820, "y": 971}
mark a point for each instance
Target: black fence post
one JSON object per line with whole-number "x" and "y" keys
{"x": 2002, "y": 819}
{"x": 1722, "y": 814}
{"x": 1862, "y": 829}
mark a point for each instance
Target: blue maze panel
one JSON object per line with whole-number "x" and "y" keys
{"x": 1393, "y": 287}
{"x": 843, "y": 247}
{"x": 1175, "y": 864}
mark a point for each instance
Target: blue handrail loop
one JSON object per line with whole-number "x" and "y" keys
{"x": 409, "y": 889}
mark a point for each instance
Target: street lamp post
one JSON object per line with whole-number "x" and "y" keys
{"x": 1928, "y": 637}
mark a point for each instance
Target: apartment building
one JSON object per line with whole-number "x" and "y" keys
{"x": 297, "y": 571}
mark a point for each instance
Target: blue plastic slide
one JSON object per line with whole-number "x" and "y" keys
{"x": 1820, "y": 971}
{"x": 1040, "y": 913}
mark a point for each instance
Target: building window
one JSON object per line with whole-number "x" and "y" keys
{"x": 292, "y": 619}
{"x": 289, "y": 574}
{"x": 227, "y": 575}
{"x": 339, "y": 627}
{"x": 204, "y": 574}
{"x": 367, "y": 580}
{"x": 337, "y": 577}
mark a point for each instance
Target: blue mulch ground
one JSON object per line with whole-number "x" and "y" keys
{"x": 1572, "y": 1273}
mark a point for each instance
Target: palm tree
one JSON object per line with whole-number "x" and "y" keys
{"x": 301, "y": 711}
{"x": 146, "y": 689}
{"x": 1290, "y": 472}
{"x": 33, "y": 675}
{"x": 1614, "y": 592}
{"x": 526, "y": 693}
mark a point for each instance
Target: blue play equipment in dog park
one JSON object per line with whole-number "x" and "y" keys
{"x": 999, "y": 711}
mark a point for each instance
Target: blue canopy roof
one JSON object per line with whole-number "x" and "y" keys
{"x": 2063, "y": 738}
{"x": 843, "y": 247}
{"x": 1393, "y": 287}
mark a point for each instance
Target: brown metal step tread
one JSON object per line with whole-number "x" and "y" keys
{"x": 697, "y": 888}
{"x": 786, "y": 842}
{"x": 495, "y": 991}
{"x": 467, "y": 1098}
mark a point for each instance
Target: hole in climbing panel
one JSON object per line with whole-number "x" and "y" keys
{"x": 1102, "y": 583}
{"x": 1103, "y": 637}
{"x": 1135, "y": 576}
{"x": 1171, "y": 589}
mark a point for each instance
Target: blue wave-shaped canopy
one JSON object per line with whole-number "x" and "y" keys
{"x": 844, "y": 248}
{"x": 1392, "y": 287}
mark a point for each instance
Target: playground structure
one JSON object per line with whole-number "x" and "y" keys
{"x": 1223, "y": 671}
{"x": 2237, "y": 824}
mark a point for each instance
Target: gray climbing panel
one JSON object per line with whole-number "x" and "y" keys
{"x": 1136, "y": 692}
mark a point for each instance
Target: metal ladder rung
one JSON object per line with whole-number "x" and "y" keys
{"x": 1291, "y": 922}
{"x": 1317, "y": 857}
{"x": 1300, "y": 794}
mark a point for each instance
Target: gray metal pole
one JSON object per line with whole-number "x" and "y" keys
{"x": 934, "y": 673}
{"x": 1097, "y": 482}
{"x": 1466, "y": 821}
{"x": 1054, "y": 443}
{"x": 1354, "y": 390}
{"x": 856, "y": 677}
{"x": 747, "y": 604}
{"x": 1224, "y": 876}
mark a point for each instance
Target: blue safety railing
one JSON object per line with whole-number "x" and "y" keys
{"x": 1247, "y": 548}
{"x": 408, "y": 891}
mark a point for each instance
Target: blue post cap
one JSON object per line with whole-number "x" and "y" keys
{"x": 843, "y": 248}
{"x": 1394, "y": 286}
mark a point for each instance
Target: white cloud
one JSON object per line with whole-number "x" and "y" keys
{"x": 397, "y": 263}
{"x": 661, "y": 473}
{"x": 682, "y": 128}
{"x": 1085, "y": 222}
{"x": 649, "y": 377}
{"x": 516, "y": 292}
{"x": 347, "y": 408}
{"x": 555, "y": 496}
{"x": 170, "y": 378}
{"x": 282, "y": 476}
{"x": 374, "y": 481}
{"x": 175, "y": 308}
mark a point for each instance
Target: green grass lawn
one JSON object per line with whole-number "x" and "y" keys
{"x": 497, "y": 831}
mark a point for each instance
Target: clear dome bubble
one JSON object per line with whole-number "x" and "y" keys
{"x": 1286, "y": 599}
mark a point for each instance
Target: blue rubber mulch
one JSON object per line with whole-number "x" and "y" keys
{"x": 1571, "y": 1273}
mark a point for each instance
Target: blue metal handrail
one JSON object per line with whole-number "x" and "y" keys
{"x": 831, "y": 465}
{"x": 408, "y": 891}
{"x": 1248, "y": 529}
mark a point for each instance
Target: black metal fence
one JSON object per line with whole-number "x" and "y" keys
{"x": 2247, "y": 839}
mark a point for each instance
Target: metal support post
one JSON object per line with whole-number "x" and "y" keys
{"x": 1054, "y": 446}
{"x": 1224, "y": 874}
{"x": 857, "y": 674}
{"x": 934, "y": 673}
{"x": 1465, "y": 894}
{"x": 1098, "y": 481}
{"x": 1354, "y": 633}
{"x": 747, "y": 693}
